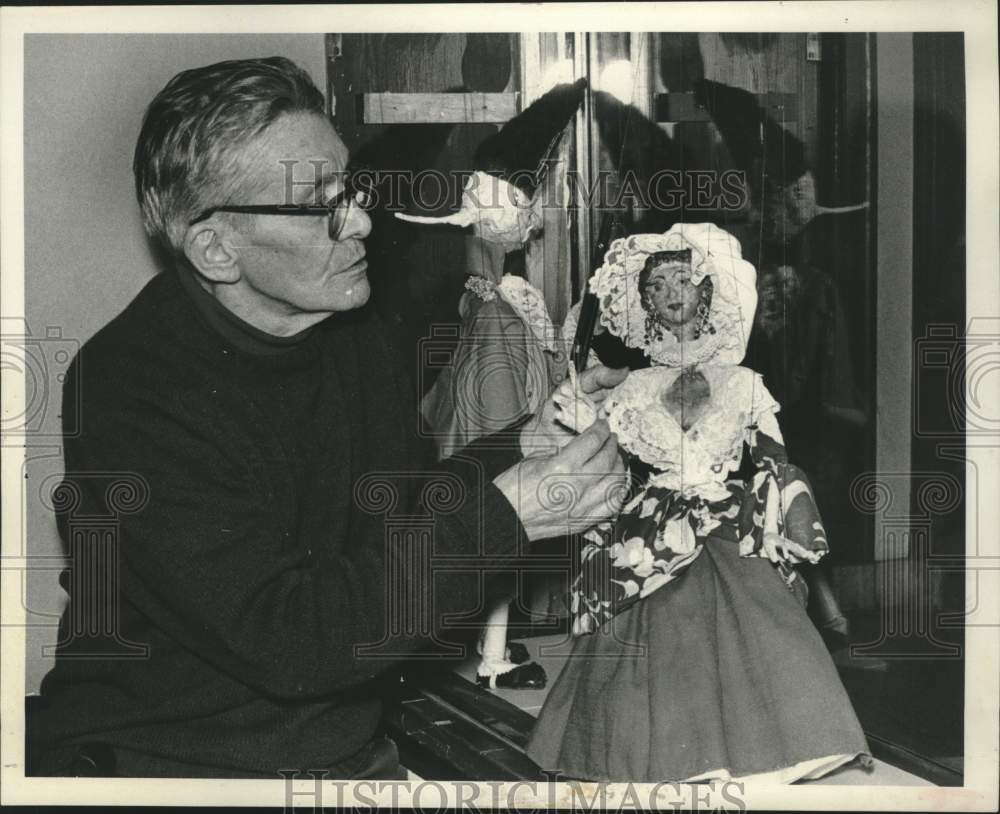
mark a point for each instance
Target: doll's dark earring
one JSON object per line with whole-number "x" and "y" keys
{"x": 705, "y": 312}
{"x": 654, "y": 330}
{"x": 703, "y": 325}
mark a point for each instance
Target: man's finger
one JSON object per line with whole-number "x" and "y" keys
{"x": 585, "y": 446}
{"x": 599, "y": 377}
{"x": 607, "y": 461}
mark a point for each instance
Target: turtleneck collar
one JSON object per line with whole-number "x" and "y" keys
{"x": 237, "y": 332}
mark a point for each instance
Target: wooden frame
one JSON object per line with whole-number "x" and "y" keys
{"x": 437, "y": 108}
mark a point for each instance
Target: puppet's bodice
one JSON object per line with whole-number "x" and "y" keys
{"x": 504, "y": 366}
{"x": 699, "y": 460}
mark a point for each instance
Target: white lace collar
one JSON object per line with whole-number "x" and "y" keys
{"x": 712, "y": 446}
{"x": 699, "y": 459}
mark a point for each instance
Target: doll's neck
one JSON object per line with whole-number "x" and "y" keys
{"x": 687, "y": 398}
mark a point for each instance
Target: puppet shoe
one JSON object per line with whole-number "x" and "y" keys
{"x": 530, "y": 676}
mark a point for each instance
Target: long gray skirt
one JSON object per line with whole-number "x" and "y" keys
{"x": 717, "y": 674}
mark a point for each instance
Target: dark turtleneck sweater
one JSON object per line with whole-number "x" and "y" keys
{"x": 259, "y": 558}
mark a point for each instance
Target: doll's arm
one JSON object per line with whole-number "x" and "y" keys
{"x": 792, "y": 528}
{"x": 768, "y": 425}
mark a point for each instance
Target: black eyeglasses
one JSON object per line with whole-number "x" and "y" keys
{"x": 336, "y": 209}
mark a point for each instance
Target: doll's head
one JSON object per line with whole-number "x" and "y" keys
{"x": 671, "y": 299}
{"x": 684, "y": 297}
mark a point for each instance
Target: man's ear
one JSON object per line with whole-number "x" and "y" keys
{"x": 210, "y": 253}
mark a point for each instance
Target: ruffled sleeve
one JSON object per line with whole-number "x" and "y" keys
{"x": 763, "y": 407}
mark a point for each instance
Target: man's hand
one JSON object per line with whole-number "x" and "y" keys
{"x": 569, "y": 490}
{"x": 544, "y": 435}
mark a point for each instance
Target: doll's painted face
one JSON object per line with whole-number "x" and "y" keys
{"x": 667, "y": 289}
{"x": 672, "y": 295}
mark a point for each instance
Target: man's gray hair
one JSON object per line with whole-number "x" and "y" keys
{"x": 184, "y": 159}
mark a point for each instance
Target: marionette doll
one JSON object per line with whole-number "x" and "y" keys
{"x": 693, "y": 656}
{"x": 508, "y": 358}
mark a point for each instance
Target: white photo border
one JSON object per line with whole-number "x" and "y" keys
{"x": 976, "y": 18}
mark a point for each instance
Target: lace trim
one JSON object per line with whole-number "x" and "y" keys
{"x": 695, "y": 462}
{"x": 704, "y": 455}
{"x": 529, "y": 303}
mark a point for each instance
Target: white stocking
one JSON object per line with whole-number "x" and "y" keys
{"x": 494, "y": 642}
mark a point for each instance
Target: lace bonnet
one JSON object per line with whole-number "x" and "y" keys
{"x": 714, "y": 253}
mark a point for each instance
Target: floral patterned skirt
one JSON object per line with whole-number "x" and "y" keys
{"x": 720, "y": 675}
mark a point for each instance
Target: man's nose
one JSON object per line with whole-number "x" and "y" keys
{"x": 358, "y": 225}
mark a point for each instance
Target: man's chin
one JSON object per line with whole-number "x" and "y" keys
{"x": 353, "y": 295}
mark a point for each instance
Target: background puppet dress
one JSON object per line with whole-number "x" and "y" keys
{"x": 508, "y": 358}
{"x": 694, "y": 657}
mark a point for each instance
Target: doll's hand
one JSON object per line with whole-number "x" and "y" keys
{"x": 780, "y": 549}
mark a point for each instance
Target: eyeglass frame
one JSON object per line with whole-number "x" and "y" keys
{"x": 349, "y": 194}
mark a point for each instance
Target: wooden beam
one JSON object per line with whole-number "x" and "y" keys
{"x": 438, "y": 108}
{"x": 437, "y": 740}
{"x": 681, "y": 107}
{"x": 497, "y": 108}
{"x": 482, "y": 706}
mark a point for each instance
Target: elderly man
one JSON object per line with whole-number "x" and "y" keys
{"x": 251, "y": 393}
